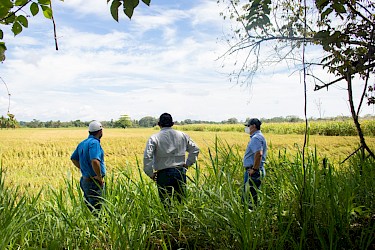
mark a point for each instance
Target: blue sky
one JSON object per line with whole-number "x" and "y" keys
{"x": 162, "y": 60}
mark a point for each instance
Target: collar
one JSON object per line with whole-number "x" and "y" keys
{"x": 256, "y": 132}
{"x": 93, "y": 137}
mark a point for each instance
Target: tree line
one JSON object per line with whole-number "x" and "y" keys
{"x": 148, "y": 121}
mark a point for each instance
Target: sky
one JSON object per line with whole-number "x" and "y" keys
{"x": 167, "y": 58}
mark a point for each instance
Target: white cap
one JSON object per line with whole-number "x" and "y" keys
{"x": 95, "y": 126}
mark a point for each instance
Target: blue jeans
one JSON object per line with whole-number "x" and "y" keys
{"x": 254, "y": 181}
{"x": 92, "y": 193}
{"x": 171, "y": 180}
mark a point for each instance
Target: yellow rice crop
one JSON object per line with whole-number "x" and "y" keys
{"x": 35, "y": 158}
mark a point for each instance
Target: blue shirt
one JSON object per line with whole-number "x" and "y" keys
{"x": 88, "y": 150}
{"x": 257, "y": 142}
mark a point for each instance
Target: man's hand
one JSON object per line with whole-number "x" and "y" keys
{"x": 100, "y": 180}
{"x": 154, "y": 176}
{"x": 251, "y": 171}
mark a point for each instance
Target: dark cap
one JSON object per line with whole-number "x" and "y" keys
{"x": 165, "y": 120}
{"x": 254, "y": 121}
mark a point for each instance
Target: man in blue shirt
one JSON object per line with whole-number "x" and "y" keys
{"x": 89, "y": 158}
{"x": 254, "y": 158}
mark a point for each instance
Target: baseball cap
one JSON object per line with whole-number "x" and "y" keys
{"x": 253, "y": 121}
{"x": 95, "y": 126}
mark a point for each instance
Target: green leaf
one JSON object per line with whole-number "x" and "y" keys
{"x": 147, "y": 2}
{"x": 10, "y": 18}
{"x": 326, "y": 13}
{"x": 47, "y": 12}
{"x": 129, "y": 12}
{"x": 1, "y": 34}
{"x": 320, "y": 4}
{"x": 3, "y": 48}
{"x": 321, "y": 34}
{"x": 129, "y": 7}
{"x": 20, "y": 2}
{"x": 4, "y": 12}
{"x": 16, "y": 28}
{"x": 6, "y": 3}
{"x": 114, "y": 9}
{"x": 34, "y": 9}
{"x": 340, "y": 8}
{"x": 23, "y": 20}
{"x": 44, "y": 2}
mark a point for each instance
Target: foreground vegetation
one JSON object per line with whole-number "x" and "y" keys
{"x": 327, "y": 206}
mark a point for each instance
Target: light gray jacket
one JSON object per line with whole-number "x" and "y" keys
{"x": 167, "y": 149}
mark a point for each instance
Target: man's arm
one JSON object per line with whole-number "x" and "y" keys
{"x": 148, "y": 159}
{"x": 76, "y": 163}
{"x": 96, "y": 167}
{"x": 257, "y": 160}
{"x": 193, "y": 151}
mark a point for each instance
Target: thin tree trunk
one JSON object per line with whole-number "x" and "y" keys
{"x": 355, "y": 117}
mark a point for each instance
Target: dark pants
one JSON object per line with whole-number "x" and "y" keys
{"x": 254, "y": 183}
{"x": 171, "y": 182}
{"x": 92, "y": 193}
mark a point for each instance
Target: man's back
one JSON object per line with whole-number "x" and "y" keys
{"x": 167, "y": 149}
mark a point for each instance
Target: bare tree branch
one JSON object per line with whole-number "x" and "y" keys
{"x": 360, "y": 14}
{"x": 368, "y": 67}
{"x": 364, "y": 92}
{"x": 317, "y": 87}
{"x": 6, "y": 86}
{"x": 54, "y": 26}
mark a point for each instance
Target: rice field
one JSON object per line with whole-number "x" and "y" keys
{"x": 35, "y": 158}
{"x": 321, "y": 205}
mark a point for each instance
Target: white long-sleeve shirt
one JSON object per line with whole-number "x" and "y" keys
{"x": 167, "y": 149}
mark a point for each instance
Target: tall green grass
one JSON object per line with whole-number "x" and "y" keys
{"x": 334, "y": 210}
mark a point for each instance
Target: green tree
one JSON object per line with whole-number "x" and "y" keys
{"x": 188, "y": 121}
{"x": 124, "y": 122}
{"x": 232, "y": 120}
{"x": 148, "y": 122}
{"x": 9, "y": 122}
{"x": 2, "y": 122}
{"x": 343, "y": 29}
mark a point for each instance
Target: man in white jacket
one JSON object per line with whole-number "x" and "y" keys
{"x": 165, "y": 161}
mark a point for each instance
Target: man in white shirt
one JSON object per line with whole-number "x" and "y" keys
{"x": 165, "y": 158}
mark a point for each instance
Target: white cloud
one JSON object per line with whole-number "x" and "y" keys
{"x": 82, "y": 8}
{"x": 163, "y": 60}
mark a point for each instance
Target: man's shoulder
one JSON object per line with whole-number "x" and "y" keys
{"x": 91, "y": 141}
{"x": 258, "y": 135}
{"x": 169, "y": 130}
